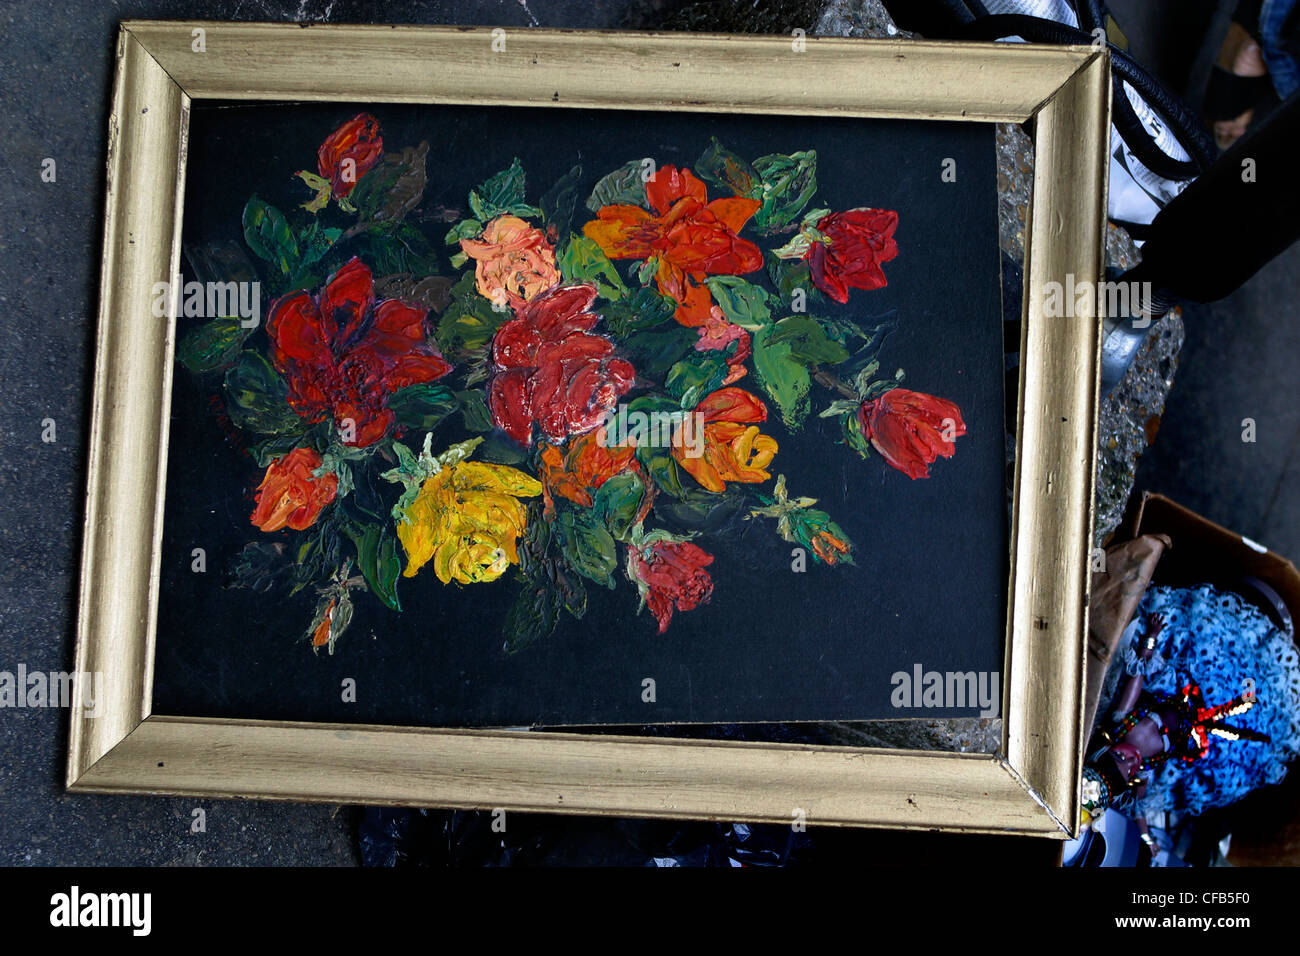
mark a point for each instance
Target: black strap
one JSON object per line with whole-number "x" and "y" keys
{"x": 1186, "y": 127}
{"x": 1236, "y": 217}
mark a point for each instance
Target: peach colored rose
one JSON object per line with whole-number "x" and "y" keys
{"x": 513, "y": 261}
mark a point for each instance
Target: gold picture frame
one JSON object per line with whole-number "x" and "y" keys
{"x": 1030, "y": 787}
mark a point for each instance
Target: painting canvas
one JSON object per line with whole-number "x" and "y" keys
{"x": 514, "y": 417}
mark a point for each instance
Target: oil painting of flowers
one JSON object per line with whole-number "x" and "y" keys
{"x": 567, "y": 400}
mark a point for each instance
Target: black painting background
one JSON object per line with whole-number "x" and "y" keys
{"x": 772, "y": 645}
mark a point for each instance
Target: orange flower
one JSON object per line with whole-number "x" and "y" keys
{"x": 583, "y": 468}
{"x": 513, "y": 261}
{"x": 688, "y": 236}
{"x": 734, "y": 449}
{"x": 321, "y": 636}
{"x": 290, "y": 494}
{"x": 828, "y": 547}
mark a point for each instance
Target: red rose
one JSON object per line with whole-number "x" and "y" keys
{"x": 290, "y": 494}
{"x": 344, "y": 354}
{"x": 553, "y": 371}
{"x": 854, "y": 245}
{"x": 911, "y": 429}
{"x": 671, "y": 575}
{"x": 349, "y": 153}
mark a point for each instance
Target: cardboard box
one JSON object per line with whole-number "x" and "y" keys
{"x": 1266, "y": 824}
{"x": 1207, "y": 553}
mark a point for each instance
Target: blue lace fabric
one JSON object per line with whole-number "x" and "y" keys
{"x": 1216, "y": 639}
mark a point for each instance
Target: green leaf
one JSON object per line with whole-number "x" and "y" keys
{"x": 787, "y": 185}
{"x": 475, "y": 411}
{"x": 743, "y": 303}
{"x": 808, "y": 341}
{"x": 261, "y": 566}
{"x": 646, "y": 271}
{"x": 501, "y": 451}
{"x": 257, "y": 397}
{"x": 367, "y": 196}
{"x": 406, "y": 459}
{"x": 394, "y": 187}
{"x": 655, "y": 351}
{"x": 790, "y": 274}
{"x": 643, "y": 309}
{"x": 390, "y": 247}
{"x": 268, "y": 234}
{"x": 587, "y": 545}
{"x": 839, "y": 407}
{"x": 313, "y": 243}
{"x": 693, "y": 378}
{"x": 723, "y": 168}
{"x": 432, "y": 292}
{"x": 881, "y": 386}
{"x": 648, "y": 423}
{"x": 572, "y": 592}
{"x": 797, "y": 248}
{"x": 499, "y": 193}
{"x": 548, "y": 585}
{"x": 424, "y": 406}
{"x": 469, "y": 323}
{"x": 650, "y": 404}
{"x": 533, "y": 615}
{"x": 213, "y": 345}
{"x": 276, "y": 446}
{"x": 582, "y": 260}
{"x": 698, "y": 510}
{"x": 625, "y": 186}
{"x": 320, "y": 553}
{"x": 784, "y": 379}
{"x": 465, "y": 229}
{"x": 560, "y": 200}
{"x": 617, "y": 503}
{"x": 853, "y": 435}
{"x": 377, "y": 559}
{"x": 663, "y": 470}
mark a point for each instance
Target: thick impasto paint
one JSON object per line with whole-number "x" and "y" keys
{"x": 526, "y": 392}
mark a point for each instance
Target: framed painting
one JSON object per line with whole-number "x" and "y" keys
{"x": 454, "y": 387}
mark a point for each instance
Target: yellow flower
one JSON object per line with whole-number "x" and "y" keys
{"x": 466, "y": 519}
